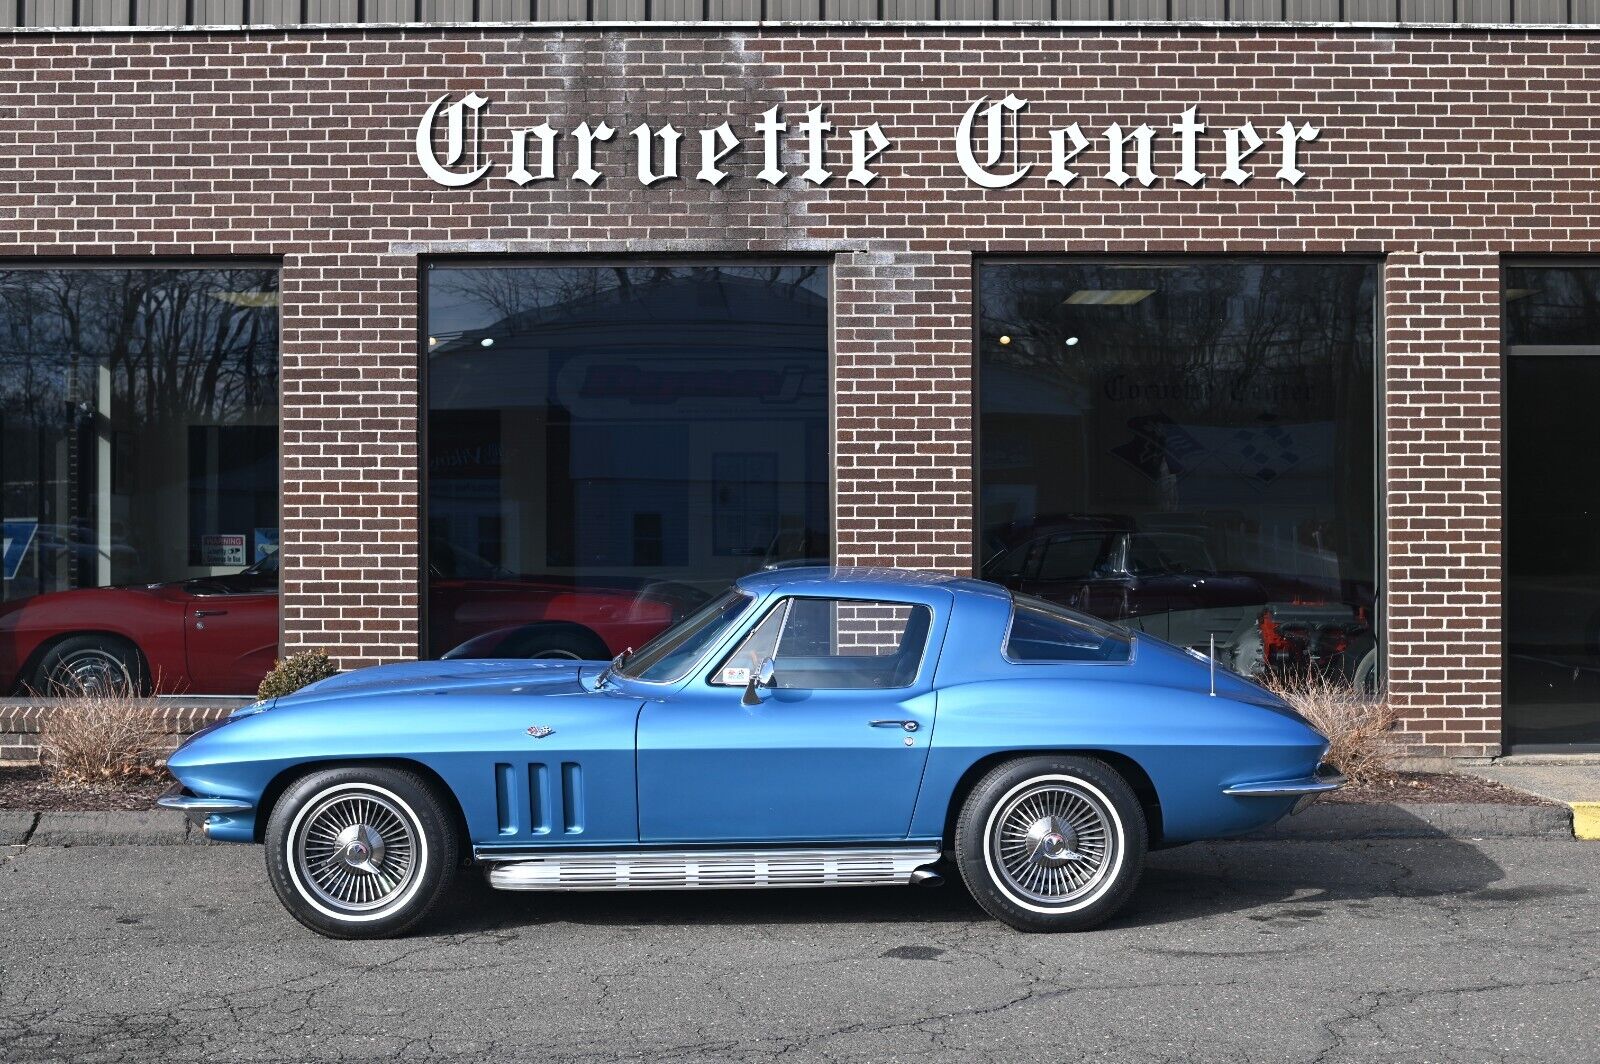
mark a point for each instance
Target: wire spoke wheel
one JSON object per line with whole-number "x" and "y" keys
{"x": 356, "y": 851}
{"x": 92, "y": 672}
{"x": 1052, "y": 842}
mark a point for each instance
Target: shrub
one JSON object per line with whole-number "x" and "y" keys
{"x": 96, "y": 736}
{"x": 1356, "y": 723}
{"x": 290, "y": 674}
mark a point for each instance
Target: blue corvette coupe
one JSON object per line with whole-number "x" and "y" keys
{"x": 807, "y": 728}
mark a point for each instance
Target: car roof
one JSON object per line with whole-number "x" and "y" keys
{"x": 858, "y": 581}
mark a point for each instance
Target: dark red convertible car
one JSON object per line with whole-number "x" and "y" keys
{"x": 219, "y": 634}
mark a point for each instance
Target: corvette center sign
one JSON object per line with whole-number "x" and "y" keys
{"x": 455, "y": 152}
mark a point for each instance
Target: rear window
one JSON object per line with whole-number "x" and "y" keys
{"x": 1044, "y": 632}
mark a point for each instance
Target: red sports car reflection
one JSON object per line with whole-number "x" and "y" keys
{"x": 219, "y": 634}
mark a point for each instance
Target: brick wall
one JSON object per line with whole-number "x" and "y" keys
{"x": 22, "y": 722}
{"x": 1441, "y": 153}
{"x": 1442, "y": 384}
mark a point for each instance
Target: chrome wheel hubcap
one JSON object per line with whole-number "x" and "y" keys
{"x": 93, "y": 672}
{"x": 1052, "y": 843}
{"x": 356, "y": 851}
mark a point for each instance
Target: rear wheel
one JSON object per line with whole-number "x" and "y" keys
{"x": 361, "y": 852}
{"x": 1366, "y": 675}
{"x": 1052, "y": 843}
{"x": 91, "y": 665}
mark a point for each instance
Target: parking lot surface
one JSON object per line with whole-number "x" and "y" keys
{"x": 1416, "y": 950}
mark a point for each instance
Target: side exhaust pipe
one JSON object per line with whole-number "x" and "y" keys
{"x": 926, "y": 877}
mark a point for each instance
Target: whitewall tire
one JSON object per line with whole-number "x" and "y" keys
{"x": 1051, "y": 843}
{"x": 361, "y": 852}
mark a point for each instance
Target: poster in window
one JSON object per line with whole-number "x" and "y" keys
{"x": 265, "y": 542}
{"x": 222, "y": 550}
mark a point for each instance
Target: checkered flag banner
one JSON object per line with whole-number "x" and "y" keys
{"x": 1160, "y": 447}
{"x": 1261, "y": 454}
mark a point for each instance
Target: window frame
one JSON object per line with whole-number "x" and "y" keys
{"x": 92, "y": 262}
{"x": 426, "y": 263}
{"x": 1376, "y": 261}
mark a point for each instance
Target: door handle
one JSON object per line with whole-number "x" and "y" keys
{"x": 209, "y": 613}
{"x": 908, "y": 725}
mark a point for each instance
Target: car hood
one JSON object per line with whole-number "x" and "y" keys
{"x": 479, "y": 677}
{"x": 79, "y": 601}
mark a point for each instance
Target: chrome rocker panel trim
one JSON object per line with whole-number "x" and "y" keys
{"x": 712, "y": 869}
{"x": 177, "y": 797}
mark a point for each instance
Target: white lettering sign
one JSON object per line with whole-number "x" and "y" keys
{"x": 989, "y": 146}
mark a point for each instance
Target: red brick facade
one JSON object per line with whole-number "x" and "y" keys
{"x": 1441, "y": 153}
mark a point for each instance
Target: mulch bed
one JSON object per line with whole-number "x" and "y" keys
{"x": 1434, "y": 787}
{"x": 28, "y": 788}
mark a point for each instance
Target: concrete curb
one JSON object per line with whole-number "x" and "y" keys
{"x": 1574, "y": 781}
{"x": 151, "y": 828}
{"x": 16, "y": 828}
{"x": 1408, "y": 820}
{"x": 1327, "y": 821}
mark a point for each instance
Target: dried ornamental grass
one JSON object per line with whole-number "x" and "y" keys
{"x": 97, "y": 736}
{"x": 290, "y": 674}
{"x": 1356, "y": 723}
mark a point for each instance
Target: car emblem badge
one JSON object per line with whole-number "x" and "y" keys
{"x": 539, "y": 731}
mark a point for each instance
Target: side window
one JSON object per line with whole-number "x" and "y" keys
{"x": 1043, "y": 632}
{"x": 1073, "y": 557}
{"x": 1144, "y": 556}
{"x": 832, "y": 645}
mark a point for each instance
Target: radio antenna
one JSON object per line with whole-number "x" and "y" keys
{"x": 1213, "y": 658}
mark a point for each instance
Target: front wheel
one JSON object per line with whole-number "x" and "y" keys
{"x": 92, "y": 665}
{"x": 361, "y": 852}
{"x": 1053, "y": 843}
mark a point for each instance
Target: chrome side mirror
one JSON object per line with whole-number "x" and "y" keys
{"x": 766, "y": 677}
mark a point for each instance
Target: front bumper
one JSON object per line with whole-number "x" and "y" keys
{"x": 206, "y": 812}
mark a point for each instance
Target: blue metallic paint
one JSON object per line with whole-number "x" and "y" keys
{"x": 637, "y": 763}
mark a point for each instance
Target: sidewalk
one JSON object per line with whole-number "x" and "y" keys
{"x": 1572, "y": 781}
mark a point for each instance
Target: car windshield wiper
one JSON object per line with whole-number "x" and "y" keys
{"x": 616, "y": 663}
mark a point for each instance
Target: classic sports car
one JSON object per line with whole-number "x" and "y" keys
{"x": 807, "y": 728}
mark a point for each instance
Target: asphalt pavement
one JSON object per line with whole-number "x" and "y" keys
{"x": 1418, "y": 950}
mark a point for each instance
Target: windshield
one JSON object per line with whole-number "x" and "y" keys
{"x": 669, "y": 655}
{"x": 267, "y": 565}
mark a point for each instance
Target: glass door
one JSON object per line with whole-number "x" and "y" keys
{"x": 1552, "y": 498}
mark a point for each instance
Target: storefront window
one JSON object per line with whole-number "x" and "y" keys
{"x": 1188, "y": 451}
{"x": 139, "y": 478}
{"x": 608, "y": 447}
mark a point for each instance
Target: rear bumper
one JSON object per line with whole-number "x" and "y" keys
{"x": 1307, "y": 788}
{"x": 1318, "y": 784}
